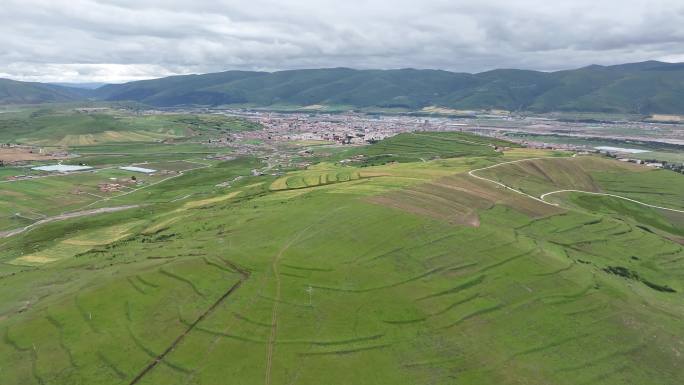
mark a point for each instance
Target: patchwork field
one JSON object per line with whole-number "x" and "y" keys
{"x": 409, "y": 272}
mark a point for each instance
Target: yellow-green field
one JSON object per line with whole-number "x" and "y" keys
{"x": 315, "y": 176}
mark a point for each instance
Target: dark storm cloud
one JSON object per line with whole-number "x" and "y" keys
{"x": 118, "y": 40}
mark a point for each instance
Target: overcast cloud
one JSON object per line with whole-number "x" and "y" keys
{"x": 121, "y": 40}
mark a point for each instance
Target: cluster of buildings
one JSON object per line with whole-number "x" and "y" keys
{"x": 117, "y": 184}
{"x": 346, "y": 128}
{"x": 641, "y": 161}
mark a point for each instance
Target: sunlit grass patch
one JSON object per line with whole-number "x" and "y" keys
{"x": 78, "y": 244}
{"x": 208, "y": 201}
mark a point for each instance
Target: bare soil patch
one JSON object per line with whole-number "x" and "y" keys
{"x": 23, "y": 154}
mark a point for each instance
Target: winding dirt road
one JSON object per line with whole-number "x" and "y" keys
{"x": 541, "y": 198}
{"x": 614, "y": 196}
{"x": 472, "y": 173}
{"x": 274, "y": 311}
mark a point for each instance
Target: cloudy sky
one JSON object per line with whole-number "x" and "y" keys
{"x": 120, "y": 40}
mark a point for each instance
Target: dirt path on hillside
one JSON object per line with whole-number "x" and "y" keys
{"x": 65, "y": 216}
{"x": 274, "y": 312}
{"x": 541, "y": 198}
{"x": 472, "y": 173}
{"x": 614, "y": 196}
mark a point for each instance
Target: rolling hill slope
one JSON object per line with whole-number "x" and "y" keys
{"x": 15, "y": 92}
{"x": 412, "y": 272}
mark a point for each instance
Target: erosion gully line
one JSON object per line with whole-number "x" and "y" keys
{"x": 244, "y": 276}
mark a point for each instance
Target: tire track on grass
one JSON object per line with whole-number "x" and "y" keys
{"x": 274, "y": 311}
{"x": 276, "y": 301}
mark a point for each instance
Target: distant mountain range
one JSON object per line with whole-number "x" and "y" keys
{"x": 88, "y": 86}
{"x": 15, "y": 92}
{"x": 642, "y": 88}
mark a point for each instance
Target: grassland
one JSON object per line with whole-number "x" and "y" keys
{"x": 594, "y": 174}
{"x": 105, "y": 138}
{"x": 319, "y": 175}
{"x": 409, "y": 272}
{"x": 48, "y": 126}
{"x": 424, "y": 146}
{"x": 126, "y": 153}
{"x": 51, "y": 195}
{"x": 47, "y": 195}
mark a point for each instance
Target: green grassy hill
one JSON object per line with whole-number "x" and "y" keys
{"x": 424, "y": 146}
{"x": 411, "y": 272}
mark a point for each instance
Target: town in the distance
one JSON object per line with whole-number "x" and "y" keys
{"x": 652, "y": 140}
